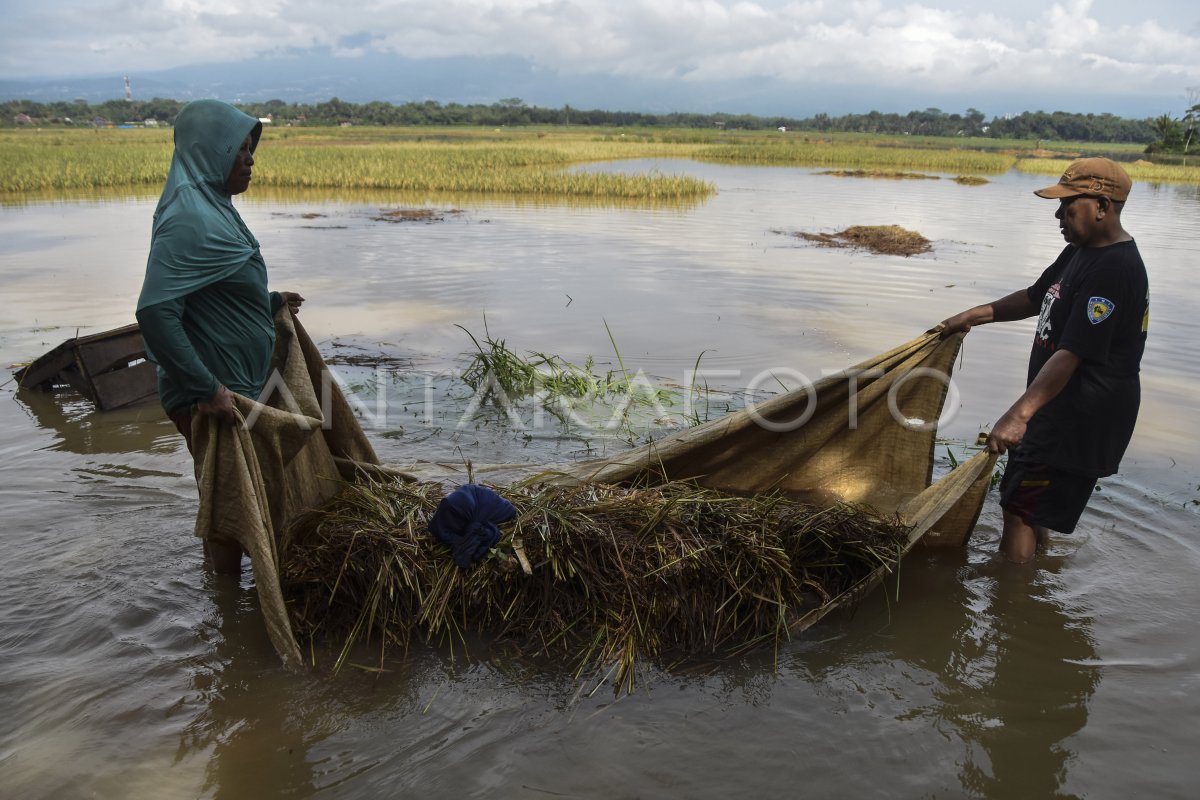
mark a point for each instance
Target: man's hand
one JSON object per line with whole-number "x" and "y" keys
{"x": 1007, "y": 433}
{"x": 959, "y": 322}
{"x": 220, "y": 405}
{"x": 293, "y": 301}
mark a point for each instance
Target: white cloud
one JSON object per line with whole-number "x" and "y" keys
{"x": 942, "y": 44}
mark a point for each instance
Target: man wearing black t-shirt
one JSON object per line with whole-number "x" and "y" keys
{"x": 1075, "y": 419}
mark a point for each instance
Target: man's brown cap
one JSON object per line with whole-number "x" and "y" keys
{"x": 1094, "y": 176}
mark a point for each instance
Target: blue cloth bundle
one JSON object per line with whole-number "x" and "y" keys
{"x": 466, "y": 521}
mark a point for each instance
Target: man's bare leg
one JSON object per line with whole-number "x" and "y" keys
{"x": 1020, "y": 540}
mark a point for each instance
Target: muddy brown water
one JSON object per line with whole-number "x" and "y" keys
{"x": 129, "y": 672}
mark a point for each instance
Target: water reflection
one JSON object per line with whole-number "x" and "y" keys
{"x": 976, "y": 683}
{"x": 274, "y": 195}
{"x": 1037, "y": 696}
{"x": 96, "y": 194}
{"x": 1016, "y": 670}
{"x": 253, "y": 720}
{"x": 79, "y": 428}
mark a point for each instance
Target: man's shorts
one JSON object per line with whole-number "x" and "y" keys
{"x": 1045, "y": 496}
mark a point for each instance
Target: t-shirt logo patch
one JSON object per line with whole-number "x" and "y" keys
{"x": 1099, "y": 309}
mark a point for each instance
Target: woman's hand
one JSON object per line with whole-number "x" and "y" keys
{"x": 293, "y": 301}
{"x": 220, "y": 405}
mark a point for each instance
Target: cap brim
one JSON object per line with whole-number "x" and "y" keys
{"x": 1057, "y": 191}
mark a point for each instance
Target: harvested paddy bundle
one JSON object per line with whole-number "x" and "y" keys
{"x": 864, "y": 436}
{"x": 601, "y": 576}
{"x": 883, "y": 239}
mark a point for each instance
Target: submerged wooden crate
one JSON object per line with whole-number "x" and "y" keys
{"x": 108, "y": 368}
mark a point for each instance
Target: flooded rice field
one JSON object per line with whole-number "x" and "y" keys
{"x": 130, "y": 672}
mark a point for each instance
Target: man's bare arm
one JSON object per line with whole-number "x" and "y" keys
{"x": 1011, "y": 307}
{"x": 1009, "y": 430}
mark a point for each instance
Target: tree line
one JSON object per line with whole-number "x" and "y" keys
{"x": 1034, "y": 125}
{"x": 1178, "y": 135}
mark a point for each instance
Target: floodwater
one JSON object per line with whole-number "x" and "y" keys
{"x": 129, "y": 673}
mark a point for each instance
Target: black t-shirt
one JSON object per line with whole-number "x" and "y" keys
{"x": 1095, "y": 302}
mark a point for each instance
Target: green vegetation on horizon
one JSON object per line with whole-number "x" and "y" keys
{"x": 534, "y": 162}
{"x": 1029, "y": 125}
{"x": 1178, "y": 136}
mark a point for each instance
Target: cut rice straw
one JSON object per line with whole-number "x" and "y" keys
{"x": 621, "y": 576}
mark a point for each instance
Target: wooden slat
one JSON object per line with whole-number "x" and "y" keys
{"x": 42, "y": 372}
{"x": 123, "y": 387}
{"x": 110, "y": 334}
{"x": 77, "y": 381}
{"x": 103, "y": 354}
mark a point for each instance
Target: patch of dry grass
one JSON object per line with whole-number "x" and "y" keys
{"x": 884, "y": 239}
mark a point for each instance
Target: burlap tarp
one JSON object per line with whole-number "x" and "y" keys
{"x": 865, "y": 435}
{"x": 290, "y": 455}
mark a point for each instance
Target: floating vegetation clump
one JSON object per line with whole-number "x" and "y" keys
{"x": 415, "y": 215}
{"x": 885, "y": 174}
{"x": 575, "y": 394}
{"x": 885, "y": 239}
{"x": 521, "y": 375}
{"x": 601, "y": 577}
{"x": 970, "y": 180}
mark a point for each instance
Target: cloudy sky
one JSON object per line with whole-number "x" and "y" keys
{"x": 1109, "y": 52}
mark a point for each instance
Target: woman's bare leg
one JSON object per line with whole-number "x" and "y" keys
{"x": 223, "y": 558}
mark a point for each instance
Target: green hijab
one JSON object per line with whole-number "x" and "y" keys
{"x": 198, "y": 236}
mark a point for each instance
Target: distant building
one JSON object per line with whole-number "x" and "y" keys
{"x": 151, "y": 123}
{"x": 783, "y": 129}
{"x": 23, "y": 119}
{"x": 265, "y": 120}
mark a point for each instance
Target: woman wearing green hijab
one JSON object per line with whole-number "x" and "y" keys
{"x": 205, "y": 311}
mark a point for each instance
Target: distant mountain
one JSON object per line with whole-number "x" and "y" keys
{"x": 315, "y": 77}
{"x": 394, "y": 79}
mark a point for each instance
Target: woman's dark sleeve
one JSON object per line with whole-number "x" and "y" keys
{"x": 162, "y": 329}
